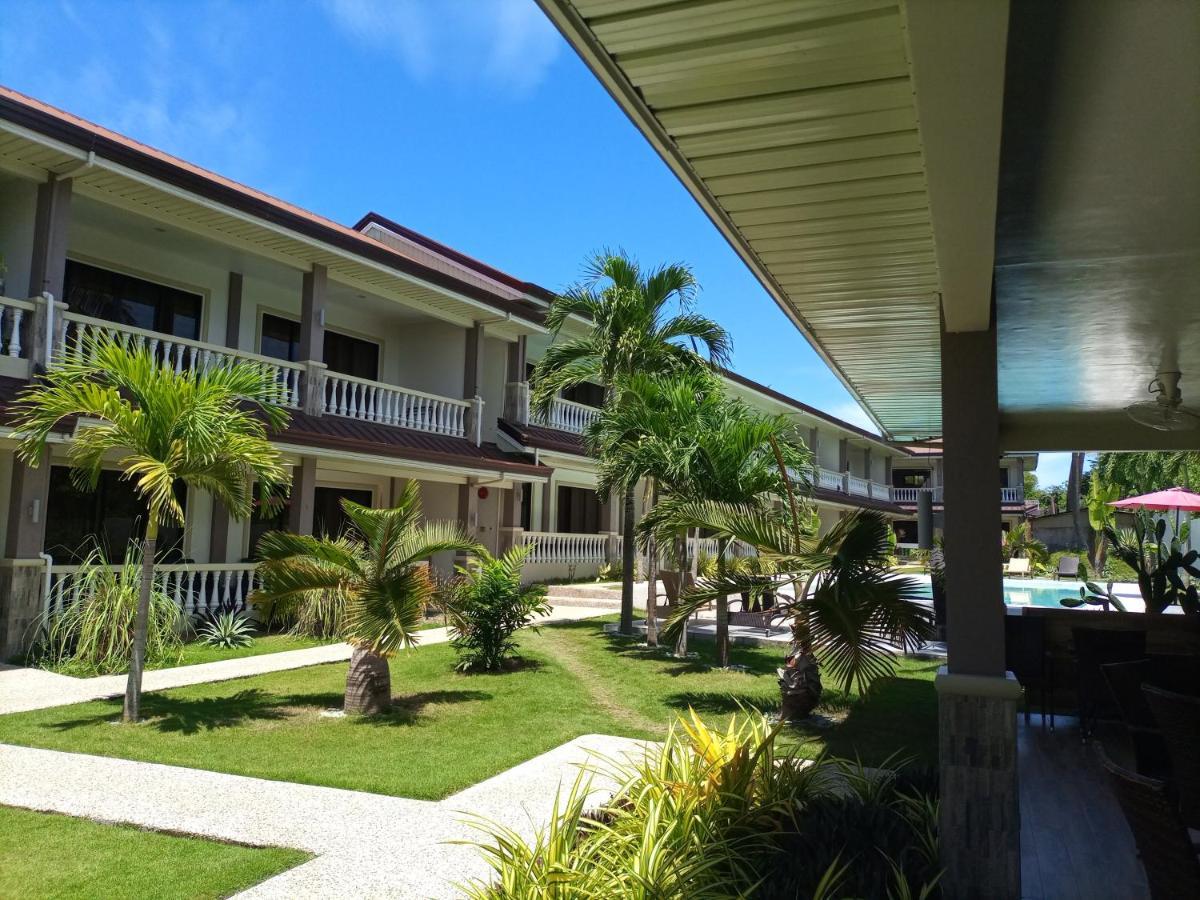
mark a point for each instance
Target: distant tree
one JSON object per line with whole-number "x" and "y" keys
{"x": 1141, "y": 473}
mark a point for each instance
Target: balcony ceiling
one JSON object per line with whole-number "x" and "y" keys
{"x": 868, "y": 159}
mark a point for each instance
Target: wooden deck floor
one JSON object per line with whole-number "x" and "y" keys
{"x": 1074, "y": 840}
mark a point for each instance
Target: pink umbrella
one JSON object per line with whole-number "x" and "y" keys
{"x": 1171, "y": 498}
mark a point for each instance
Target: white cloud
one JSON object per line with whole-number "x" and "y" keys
{"x": 851, "y": 412}
{"x": 505, "y": 43}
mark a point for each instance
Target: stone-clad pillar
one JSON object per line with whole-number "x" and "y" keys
{"x": 977, "y": 700}
{"x": 303, "y": 499}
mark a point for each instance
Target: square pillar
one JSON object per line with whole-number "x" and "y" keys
{"x": 233, "y": 312}
{"x": 27, "y": 499}
{"x": 218, "y": 540}
{"x": 510, "y": 517}
{"x": 473, "y": 367}
{"x": 548, "y": 504}
{"x": 844, "y": 463}
{"x": 979, "y": 810}
{"x": 468, "y": 513}
{"x": 48, "y": 263}
{"x": 304, "y": 491}
{"x": 21, "y": 585}
{"x": 312, "y": 313}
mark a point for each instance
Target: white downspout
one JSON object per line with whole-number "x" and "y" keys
{"x": 46, "y": 581}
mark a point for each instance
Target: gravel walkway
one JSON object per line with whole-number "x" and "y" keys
{"x": 26, "y": 689}
{"x": 367, "y": 845}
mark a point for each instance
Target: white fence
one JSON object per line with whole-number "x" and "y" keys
{"x": 16, "y": 316}
{"x": 567, "y": 415}
{"x": 910, "y": 494}
{"x": 828, "y": 479}
{"x": 181, "y": 354}
{"x": 372, "y": 401}
{"x": 196, "y": 588}
{"x": 559, "y": 547}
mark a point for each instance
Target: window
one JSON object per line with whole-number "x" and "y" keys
{"x": 112, "y": 515}
{"x": 125, "y": 300}
{"x": 343, "y": 354}
{"x": 1003, "y": 477}
{"x": 906, "y": 532}
{"x": 910, "y": 478}
{"x": 263, "y": 521}
{"x": 526, "y": 506}
{"x": 591, "y": 394}
{"x": 578, "y": 510}
{"x": 329, "y": 520}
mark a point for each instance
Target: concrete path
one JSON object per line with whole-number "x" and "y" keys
{"x": 27, "y": 689}
{"x": 366, "y": 845}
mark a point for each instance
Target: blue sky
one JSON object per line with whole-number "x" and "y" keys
{"x": 469, "y": 120}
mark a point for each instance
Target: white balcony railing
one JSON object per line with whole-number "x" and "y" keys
{"x": 567, "y": 415}
{"x": 180, "y": 353}
{"x": 373, "y": 401}
{"x": 195, "y": 587}
{"x": 560, "y": 547}
{"x": 1011, "y": 495}
{"x": 16, "y": 316}
{"x": 880, "y": 491}
{"x": 910, "y": 494}
{"x": 829, "y": 479}
{"x": 860, "y": 487}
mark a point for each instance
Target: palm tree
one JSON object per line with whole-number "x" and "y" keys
{"x": 847, "y": 608}
{"x": 1101, "y": 517}
{"x": 1019, "y": 541}
{"x": 205, "y": 427}
{"x": 632, "y": 331}
{"x": 370, "y": 586}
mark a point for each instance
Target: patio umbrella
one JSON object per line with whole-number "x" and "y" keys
{"x": 1172, "y": 498}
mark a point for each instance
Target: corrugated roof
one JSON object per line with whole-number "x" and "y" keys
{"x": 793, "y": 122}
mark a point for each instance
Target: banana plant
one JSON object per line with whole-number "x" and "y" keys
{"x": 1160, "y": 564}
{"x": 1091, "y": 594}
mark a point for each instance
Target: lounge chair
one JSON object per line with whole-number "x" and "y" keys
{"x": 1068, "y": 567}
{"x": 1018, "y": 565}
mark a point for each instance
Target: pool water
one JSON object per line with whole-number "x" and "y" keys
{"x": 1042, "y": 591}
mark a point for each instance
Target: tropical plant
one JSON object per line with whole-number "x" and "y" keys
{"x": 1101, "y": 517}
{"x": 369, "y": 586}
{"x": 487, "y": 605}
{"x": 1141, "y": 473}
{"x": 713, "y": 813}
{"x": 1019, "y": 542}
{"x": 847, "y": 612}
{"x": 1091, "y": 594}
{"x": 227, "y": 631}
{"x": 93, "y": 634}
{"x": 641, "y": 322}
{"x": 205, "y": 427}
{"x": 1160, "y": 564}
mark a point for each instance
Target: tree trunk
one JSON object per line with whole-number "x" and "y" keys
{"x": 368, "y": 684}
{"x": 141, "y": 623}
{"x": 681, "y": 643}
{"x": 1079, "y": 523}
{"x": 652, "y": 595}
{"x": 627, "y": 554}
{"x": 722, "y": 609}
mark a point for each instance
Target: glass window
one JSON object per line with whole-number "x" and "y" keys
{"x": 126, "y": 300}
{"x": 578, "y": 510}
{"x": 909, "y": 477}
{"x": 591, "y": 394}
{"x": 112, "y": 516}
{"x": 343, "y": 354}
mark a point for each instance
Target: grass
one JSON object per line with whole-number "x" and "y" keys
{"x": 45, "y": 855}
{"x": 196, "y": 652}
{"x": 450, "y": 730}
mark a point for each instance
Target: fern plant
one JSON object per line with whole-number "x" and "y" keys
{"x": 227, "y": 631}
{"x": 487, "y": 605}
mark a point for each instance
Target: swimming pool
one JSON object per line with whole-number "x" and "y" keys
{"x": 1047, "y": 592}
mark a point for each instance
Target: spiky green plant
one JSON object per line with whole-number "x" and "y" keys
{"x": 227, "y": 631}
{"x": 487, "y": 605}
{"x": 94, "y": 634}
{"x": 370, "y": 586}
{"x": 205, "y": 426}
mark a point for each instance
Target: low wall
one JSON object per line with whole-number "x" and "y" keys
{"x": 21, "y": 583}
{"x": 559, "y": 571}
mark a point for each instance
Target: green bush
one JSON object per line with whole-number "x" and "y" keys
{"x": 227, "y": 631}
{"x": 487, "y": 605}
{"x": 710, "y": 814}
{"x": 93, "y": 635}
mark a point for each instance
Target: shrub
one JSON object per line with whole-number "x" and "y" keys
{"x": 227, "y": 630}
{"x": 487, "y": 604}
{"x": 93, "y": 635}
{"x": 708, "y": 814}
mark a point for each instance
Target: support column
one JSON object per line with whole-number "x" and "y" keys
{"x": 510, "y": 517}
{"x": 233, "y": 312}
{"x": 304, "y": 490}
{"x": 610, "y": 524}
{"x": 48, "y": 264}
{"x": 473, "y": 367}
{"x": 867, "y": 464}
{"x": 516, "y": 388}
{"x": 468, "y": 512}
{"x": 977, "y": 700}
{"x": 844, "y": 463}
{"x": 218, "y": 540}
{"x": 27, "y": 498}
{"x": 548, "y": 504}
{"x": 312, "y": 338}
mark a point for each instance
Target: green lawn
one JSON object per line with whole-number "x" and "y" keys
{"x": 450, "y": 730}
{"x": 44, "y": 856}
{"x": 195, "y": 652}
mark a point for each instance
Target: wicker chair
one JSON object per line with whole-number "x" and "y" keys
{"x": 1125, "y": 680}
{"x": 1026, "y": 657}
{"x": 1093, "y": 648}
{"x": 1178, "y": 716}
{"x": 1172, "y": 868}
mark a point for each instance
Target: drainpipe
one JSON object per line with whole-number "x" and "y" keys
{"x": 46, "y": 581}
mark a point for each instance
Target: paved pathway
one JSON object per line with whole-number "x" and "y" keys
{"x": 366, "y": 845}
{"x": 26, "y": 689}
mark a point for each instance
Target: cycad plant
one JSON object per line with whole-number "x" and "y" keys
{"x": 206, "y": 427}
{"x": 369, "y": 586}
{"x": 641, "y": 322}
{"x": 1020, "y": 542}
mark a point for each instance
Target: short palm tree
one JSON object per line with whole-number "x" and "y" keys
{"x": 641, "y": 322}
{"x": 369, "y": 586}
{"x": 1019, "y": 541}
{"x": 205, "y": 427}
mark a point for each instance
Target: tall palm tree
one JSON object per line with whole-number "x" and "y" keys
{"x": 641, "y": 321}
{"x": 205, "y": 427}
{"x": 847, "y": 609}
{"x": 369, "y": 586}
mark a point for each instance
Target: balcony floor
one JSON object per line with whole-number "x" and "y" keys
{"x": 1075, "y": 844}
